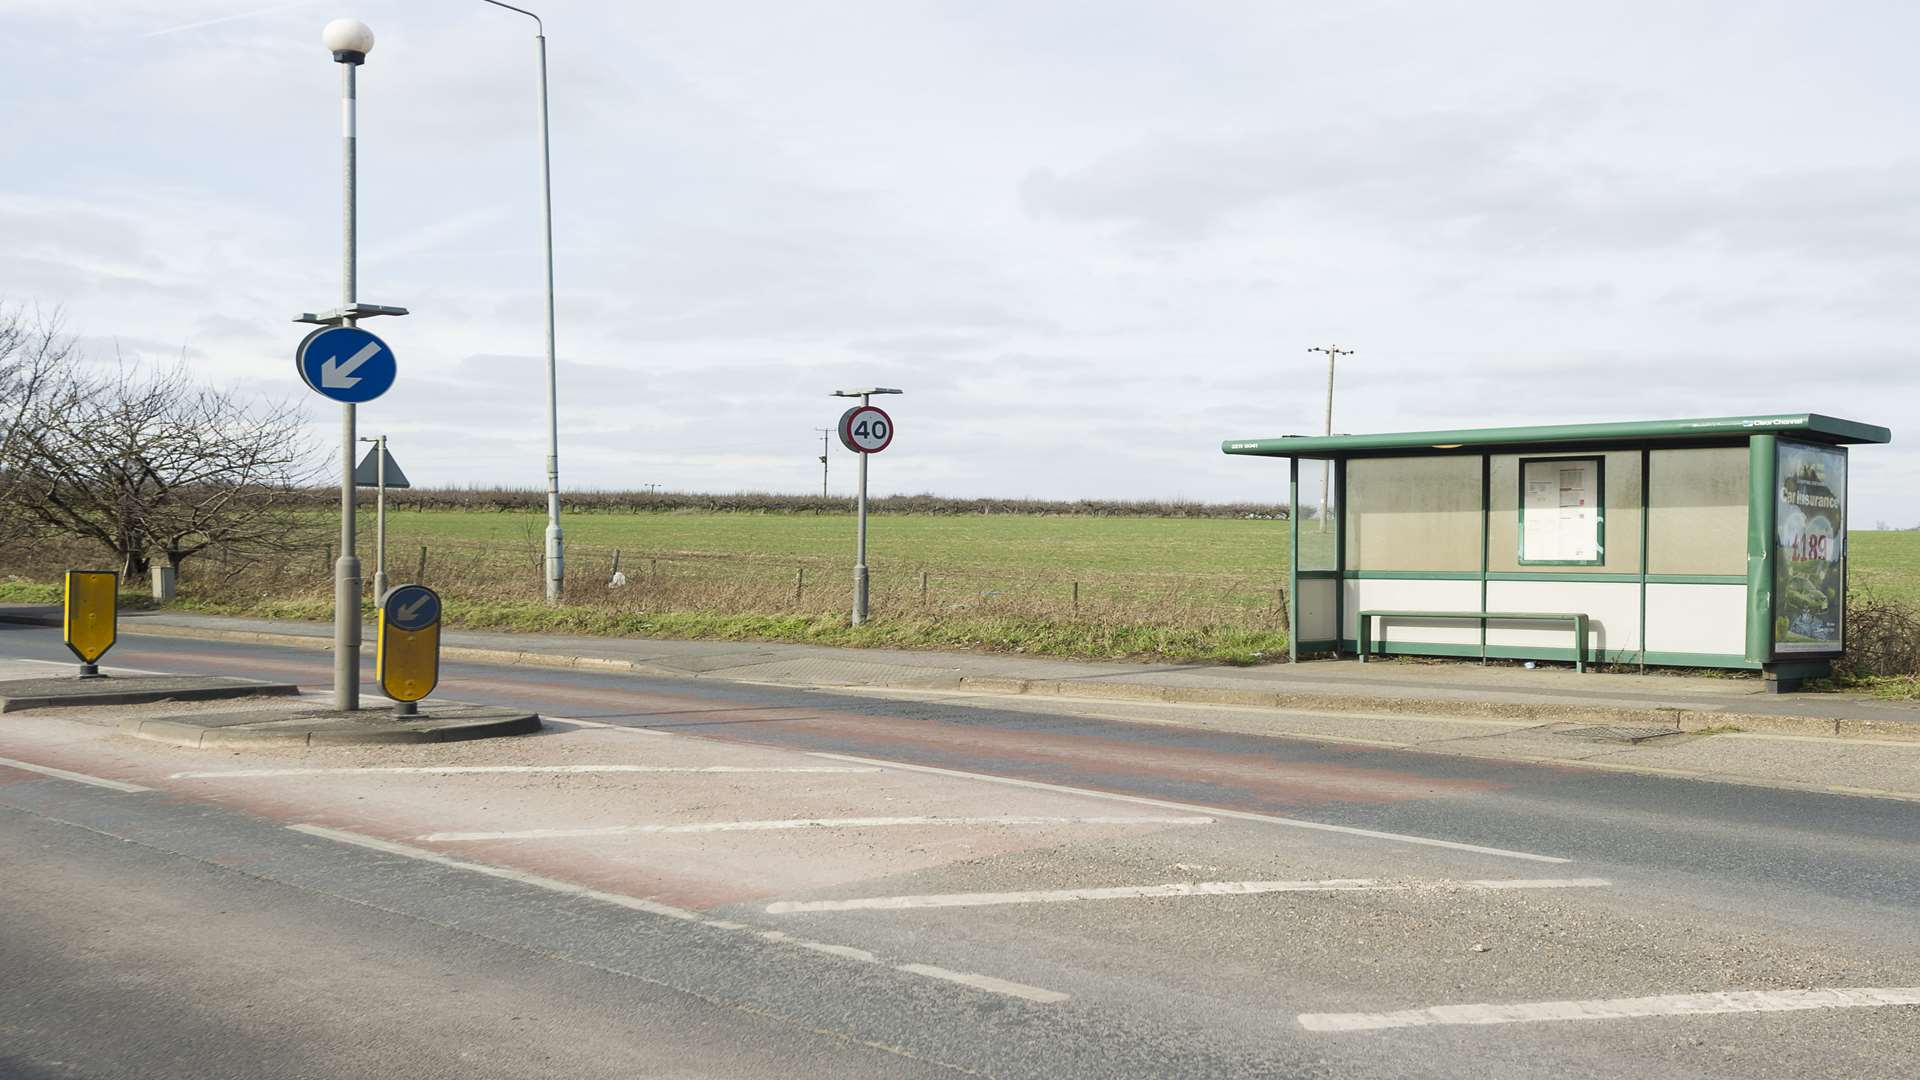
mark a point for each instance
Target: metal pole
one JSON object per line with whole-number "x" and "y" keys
{"x": 1326, "y": 466}
{"x": 824, "y": 432}
{"x": 380, "y": 529}
{"x": 346, "y": 572}
{"x": 860, "y": 548}
{"x": 556, "y": 562}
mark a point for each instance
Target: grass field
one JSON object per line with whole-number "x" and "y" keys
{"x": 1175, "y": 588}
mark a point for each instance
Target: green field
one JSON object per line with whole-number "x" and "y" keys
{"x": 1887, "y": 564}
{"x": 1175, "y": 588}
{"x": 1010, "y": 544}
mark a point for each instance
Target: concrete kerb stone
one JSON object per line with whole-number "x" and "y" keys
{"x": 315, "y": 728}
{"x": 19, "y": 695}
{"x": 1680, "y": 719}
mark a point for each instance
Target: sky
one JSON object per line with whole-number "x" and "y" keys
{"x": 1089, "y": 240}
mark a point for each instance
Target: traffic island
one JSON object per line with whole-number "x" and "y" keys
{"x": 279, "y": 725}
{"x": 66, "y": 692}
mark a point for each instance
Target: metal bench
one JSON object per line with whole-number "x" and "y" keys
{"x": 1578, "y": 620}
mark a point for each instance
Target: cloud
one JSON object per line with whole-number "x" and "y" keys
{"x": 1504, "y": 181}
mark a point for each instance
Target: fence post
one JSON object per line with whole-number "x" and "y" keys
{"x": 616, "y": 564}
{"x": 923, "y": 588}
{"x": 1076, "y": 598}
{"x": 327, "y": 560}
{"x": 799, "y": 583}
{"x": 1281, "y": 591}
{"x": 422, "y": 575}
{"x": 653, "y": 567}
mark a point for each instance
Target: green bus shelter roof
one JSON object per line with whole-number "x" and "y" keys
{"x": 1806, "y": 425}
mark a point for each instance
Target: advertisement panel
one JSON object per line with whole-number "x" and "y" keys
{"x": 1810, "y": 549}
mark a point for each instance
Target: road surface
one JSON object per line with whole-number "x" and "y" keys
{"x": 700, "y": 878}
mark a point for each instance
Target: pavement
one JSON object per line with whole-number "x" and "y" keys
{"x": 1549, "y": 693}
{"x": 708, "y": 877}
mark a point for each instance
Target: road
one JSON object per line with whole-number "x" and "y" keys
{"x": 704, "y": 878}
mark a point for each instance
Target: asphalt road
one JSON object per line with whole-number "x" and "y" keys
{"x": 973, "y": 891}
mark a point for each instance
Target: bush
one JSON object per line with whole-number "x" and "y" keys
{"x": 1883, "y": 637}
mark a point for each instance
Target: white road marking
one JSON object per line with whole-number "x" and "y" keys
{"x": 78, "y": 778}
{"x": 1733, "y": 1001}
{"x": 987, "y": 983}
{"x": 846, "y": 952}
{"x": 460, "y": 770}
{"x": 807, "y": 823}
{"x": 71, "y": 664}
{"x": 1178, "y": 888}
{"x": 1242, "y": 815}
{"x": 568, "y": 721}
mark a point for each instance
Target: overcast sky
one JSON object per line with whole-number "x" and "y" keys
{"x": 1090, "y": 240}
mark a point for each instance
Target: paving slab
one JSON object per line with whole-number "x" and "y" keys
{"x": 60, "y": 692}
{"x": 282, "y": 725}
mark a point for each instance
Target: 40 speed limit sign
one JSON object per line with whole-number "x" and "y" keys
{"x": 865, "y": 429}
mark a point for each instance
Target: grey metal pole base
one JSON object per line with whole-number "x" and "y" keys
{"x": 91, "y": 671}
{"x": 556, "y": 565}
{"x": 346, "y": 633}
{"x": 406, "y": 709}
{"x": 859, "y": 595}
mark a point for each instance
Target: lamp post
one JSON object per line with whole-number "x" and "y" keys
{"x": 556, "y": 563}
{"x": 349, "y": 40}
{"x": 860, "y": 534}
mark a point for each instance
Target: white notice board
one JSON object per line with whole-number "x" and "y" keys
{"x": 1560, "y": 510}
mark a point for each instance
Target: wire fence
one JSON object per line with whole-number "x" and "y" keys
{"x": 467, "y": 571}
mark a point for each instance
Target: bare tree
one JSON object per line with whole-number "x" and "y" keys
{"x": 152, "y": 466}
{"x": 32, "y": 354}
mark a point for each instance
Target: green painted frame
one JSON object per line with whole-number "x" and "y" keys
{"x": 1600, "y": 512}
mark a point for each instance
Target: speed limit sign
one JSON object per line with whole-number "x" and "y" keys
{"x": 865, "y": 429}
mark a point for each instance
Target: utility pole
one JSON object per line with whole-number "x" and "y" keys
{"x": 824, "y": 432}
{"x": 556, "y": 542}
{"x": 1334, "y": 352}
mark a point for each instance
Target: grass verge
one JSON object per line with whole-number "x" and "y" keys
{"x": 1034, "y": 637}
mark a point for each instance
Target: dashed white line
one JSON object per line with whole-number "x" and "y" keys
{"x": 987, "y": 983}
{"x": 1732, "y": 1001}
{"x": 1242, "y": 815}
{"x": 1177, "y": 888}
{"x": 78, "y": 778}
{"x": 806, "y": 823}
{"x": 845, "y": 952}
{"x": 461, "y": 770}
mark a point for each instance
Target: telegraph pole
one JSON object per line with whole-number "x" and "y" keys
{"x": 824, "y": 432}
{"x": 1334, "y": 352}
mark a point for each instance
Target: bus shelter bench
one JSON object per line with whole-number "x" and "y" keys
{"x": 1577, "y": 619}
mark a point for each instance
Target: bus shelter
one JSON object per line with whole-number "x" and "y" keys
{"x": 1717, "y": 543}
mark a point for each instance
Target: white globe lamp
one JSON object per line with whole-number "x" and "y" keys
{"x": 349, "y": 40}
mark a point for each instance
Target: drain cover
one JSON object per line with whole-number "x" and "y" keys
{"x": 1616, "y": 733}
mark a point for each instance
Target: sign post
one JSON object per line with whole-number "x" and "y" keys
{"x": 379, "y": 471}
{"x": 864, "y": 430}
{"x": 407, "y": 653}
{"x": 91, "y": 623}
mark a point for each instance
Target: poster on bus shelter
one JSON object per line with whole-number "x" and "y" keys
{"x": 1810, "y": 556}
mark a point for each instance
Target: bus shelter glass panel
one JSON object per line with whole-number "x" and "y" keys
{"x": 1697, "y": 510}
{"x": 1319, "y": 512}
{"x": 1414, "y": 513}
{"x": 1582, "y": 510}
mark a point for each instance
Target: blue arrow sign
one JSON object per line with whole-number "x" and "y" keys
{"x": 411, "y": 607}
{"x": 345, "y": 363}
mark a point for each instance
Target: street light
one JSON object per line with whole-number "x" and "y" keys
{"x": 860, "y": 542}
{"x": 555, "y": 561}
{"x": 349, "y": 40}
